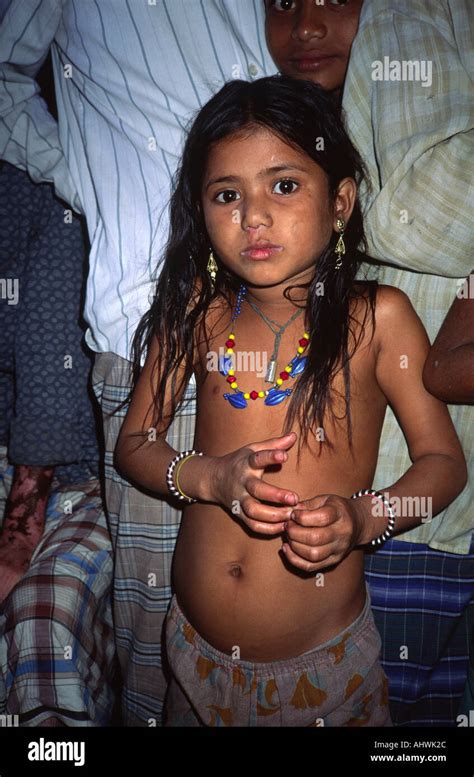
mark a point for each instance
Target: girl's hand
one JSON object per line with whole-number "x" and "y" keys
{"x": 325, "y": 529}
{"x": 238, "y": 485}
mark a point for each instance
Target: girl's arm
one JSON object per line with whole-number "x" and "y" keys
{"x": 438, "y": 472}
{"x": 449, "y": 369}
{"x": 142, "y": 454}
{"x": 326, "y": 528}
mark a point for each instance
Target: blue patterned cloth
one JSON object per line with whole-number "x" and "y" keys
{"x": 423, "y": 606}
{"x": 46, "y": 413}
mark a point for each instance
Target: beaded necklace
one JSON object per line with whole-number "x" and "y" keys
{"x": 272, "y": 396}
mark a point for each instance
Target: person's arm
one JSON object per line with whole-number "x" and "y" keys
{"x": 29, "y": 136}
{"x": 26, "y": 504}
{"x": 326, "y": 528}
{"x": 449, "y": 368}
{"x": 438, "y": 472}
{"x": 417, "y": 141}
{"x": 142, "y": 454}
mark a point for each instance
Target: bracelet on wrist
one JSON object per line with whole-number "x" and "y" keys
{"x": 175, "y": 464}
{"x": 391, "y": 514}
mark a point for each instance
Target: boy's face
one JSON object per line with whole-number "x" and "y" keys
{"x": 311, "y": 40}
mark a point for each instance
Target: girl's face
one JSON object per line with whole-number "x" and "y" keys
{"x": 312, "y": 41}
{"x": 267, "y": 208}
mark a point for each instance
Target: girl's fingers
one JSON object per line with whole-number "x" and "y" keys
{"x": 269, "y": 529}
{"x": 315, "y": 555}
{"x": 265, "y": 458}
{"x": 318, "y": 516}
{"x": 265, "y": 492}
{"x": 259, "y": 512}
{"x": 284, "y": 442}
{"x": 313, "y": 536}
{"x": 304, "y": 564}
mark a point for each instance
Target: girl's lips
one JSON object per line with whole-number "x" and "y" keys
{"x": 261, "y": 252}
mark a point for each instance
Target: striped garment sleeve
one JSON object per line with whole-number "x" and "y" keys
{"x": 416, "y": 135}
{"x": 28, "y": 133}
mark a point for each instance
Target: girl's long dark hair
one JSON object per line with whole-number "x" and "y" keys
{"x": 304, "y": 116}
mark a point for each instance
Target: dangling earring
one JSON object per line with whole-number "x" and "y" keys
{"x": 212, "y": 268}
{"x": 340, "y": 248}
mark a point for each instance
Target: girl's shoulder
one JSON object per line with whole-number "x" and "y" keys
{"x": 377, "y": 308}
{"x": 396, "y": 320}
{"x": 391, "y": 303}
{"x": 387, "y": 300}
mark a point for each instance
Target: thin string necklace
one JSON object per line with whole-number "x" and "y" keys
{"x": 276, "y": 394}
{"x": 270, "y": 376}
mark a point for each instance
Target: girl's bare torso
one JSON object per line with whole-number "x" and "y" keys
{"x": 236, "y": 587}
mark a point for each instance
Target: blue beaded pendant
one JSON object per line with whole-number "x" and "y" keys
{"x": 237, "y": 399}
{"x": 225, "y": 364}
{"x": 298, "y": 366}
{"x": 275, "y": 396}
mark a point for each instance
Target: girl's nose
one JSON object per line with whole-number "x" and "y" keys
{"x": 309, "y": 24}
{"x": 255, "y": 216}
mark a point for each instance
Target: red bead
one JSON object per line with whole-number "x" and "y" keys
{"x": 229, "y": 343}
{"x": 303, "y": 342}
{"x": 230, "y": 378}
{"x": 284, "y": 375}
{"x": 254, "y": 395}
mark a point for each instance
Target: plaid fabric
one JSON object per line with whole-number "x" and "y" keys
{"x": 423, "y": 604}
{"x": 417, "y": 143}
{"x": 144, "y": 532}
{"x": 57, "y": 653}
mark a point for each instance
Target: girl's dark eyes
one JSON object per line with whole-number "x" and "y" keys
{"x": 286, "y": 183}
{"x": 227, "y": 195}
{"x": 230, "y": 195}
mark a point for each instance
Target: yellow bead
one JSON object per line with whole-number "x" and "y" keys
{"x": 246, "y": 396}
{"x": 231, "y": 372}
{"x": 230, "y": 350}
{"x": 233, "y": 385}
{"x": 261, "y": 393}
{"x": 306, "y": 335}
{"x": 279, "y": 381}
{"x": 300, "y": 349}
{"x": 288, "y": 369}
{"x": 231, "y": 337}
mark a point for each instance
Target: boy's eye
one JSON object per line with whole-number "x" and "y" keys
{"x": 338, "y": 2}
{"x": 287, "y": 186}
{"x": 282, "y": 5}
{"x": 228, "y": 195}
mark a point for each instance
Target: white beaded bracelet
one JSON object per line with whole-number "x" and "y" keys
{"x": 391, "y": 514}
{"x": 169, "y": 475}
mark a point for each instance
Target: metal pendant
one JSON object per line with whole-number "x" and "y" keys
{"x": 270, "y": 376}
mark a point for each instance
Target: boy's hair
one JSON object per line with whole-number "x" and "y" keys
{"x": 304, "y": 116}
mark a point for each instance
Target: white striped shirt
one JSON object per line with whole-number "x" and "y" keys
{"x": 130, "y": 75}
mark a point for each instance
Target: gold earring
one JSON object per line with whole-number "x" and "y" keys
{"x": 340, "y": 248}
{"x": 212, "y": 268}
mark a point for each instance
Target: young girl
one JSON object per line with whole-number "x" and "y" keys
{"x": 270, "y": 623}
